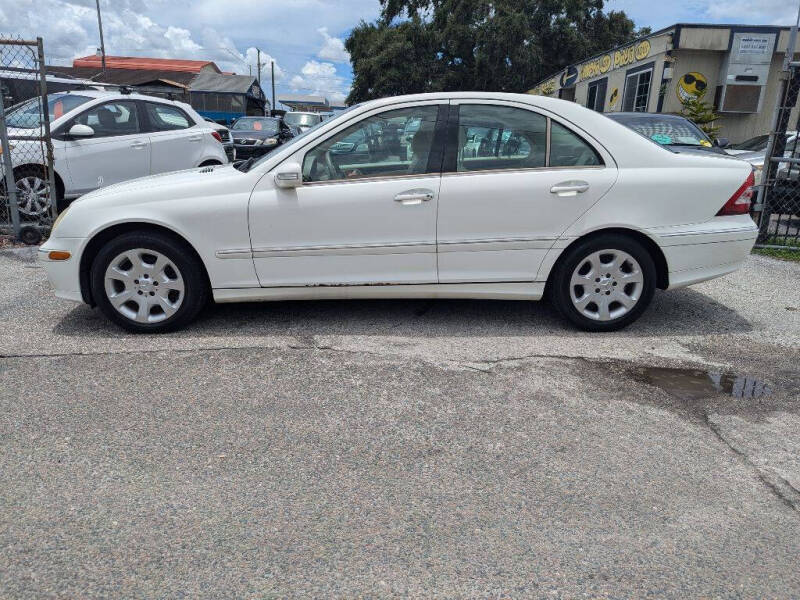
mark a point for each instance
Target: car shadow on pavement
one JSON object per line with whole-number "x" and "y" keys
{"x": 678, "y": 312}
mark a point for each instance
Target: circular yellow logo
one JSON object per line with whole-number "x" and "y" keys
{"x": 612, "y": 99}
{"x": 691, "y": 85}
{"x": 605, "y": 63}
{"x": 643, "y": 50}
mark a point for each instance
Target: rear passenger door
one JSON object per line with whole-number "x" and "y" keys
{"x": 176, "y": 143}
{"x": 513, "y": 180}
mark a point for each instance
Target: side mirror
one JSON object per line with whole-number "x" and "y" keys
{"x": 288, "y": 176}
{"x": 722, "y": 142}
{"x": 79, "y": 130}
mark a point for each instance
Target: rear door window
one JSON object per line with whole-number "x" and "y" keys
{"x": 500, "y": 137}
{"x": 164, "y": 117}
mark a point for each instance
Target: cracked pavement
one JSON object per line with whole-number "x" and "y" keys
{"x": 400, "y": 448}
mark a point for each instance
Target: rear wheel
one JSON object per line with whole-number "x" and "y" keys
{"x": 148, "y": 282}
{"x": 604, "y": 283}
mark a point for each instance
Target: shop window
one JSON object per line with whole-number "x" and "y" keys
{"x": 596, "y": 96}
{"x": 637, "y": 91}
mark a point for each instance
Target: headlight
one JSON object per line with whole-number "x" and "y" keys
{"x": 58, "y": 220}
{"x": 270, "y": 141}
{"x": 258, "y": 142}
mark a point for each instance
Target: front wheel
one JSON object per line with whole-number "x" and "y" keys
{"x": 604, "y": 283}
{"x": 148, "y": 282}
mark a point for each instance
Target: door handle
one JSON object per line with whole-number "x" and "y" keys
{"x": 412, "y": 197}
{"x": 569, "y": 188}
{"x": 138, "y": 145}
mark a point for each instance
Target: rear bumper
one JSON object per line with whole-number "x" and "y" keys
{"x": 703, "y": 251}
{"x": 63, "y": 275}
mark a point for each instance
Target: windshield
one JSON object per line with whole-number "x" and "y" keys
{"x": 301, "y": 119}
{"x": 753, "y": 144}
{"x": 666, "y": 131}
{"x": 28, "y": 115}
{"x": 299, "y": 138}
{"x": 248, "y": 124}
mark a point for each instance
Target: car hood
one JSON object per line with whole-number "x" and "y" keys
{"x": 754, "y": 158}
{"x": 163, "y": 187}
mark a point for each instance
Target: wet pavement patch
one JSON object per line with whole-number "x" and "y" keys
{"x": 695, "y": 384}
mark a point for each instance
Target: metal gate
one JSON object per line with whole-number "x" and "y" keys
{"x": 779, "y": 193}
{"x": 29, "y": 205}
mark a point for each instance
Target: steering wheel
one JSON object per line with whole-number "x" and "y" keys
{"x": 336, "y": 172}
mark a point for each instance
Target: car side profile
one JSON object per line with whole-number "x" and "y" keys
{"x": 559, "y": 200}
{"x": 101, "y": 138}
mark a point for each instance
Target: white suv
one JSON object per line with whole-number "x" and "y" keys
{"x": 101, "y": 138}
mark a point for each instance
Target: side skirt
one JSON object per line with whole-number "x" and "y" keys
{"x": 497, "y": 291}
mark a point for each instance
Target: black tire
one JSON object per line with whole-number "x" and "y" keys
{"x": 560, "y": 292}
{"x": 196, "y": 289}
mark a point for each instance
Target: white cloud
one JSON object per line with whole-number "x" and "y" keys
{"x": 319, "y": 79}
{"x": 769, "y": 12}
{"x": 333, "y": 48}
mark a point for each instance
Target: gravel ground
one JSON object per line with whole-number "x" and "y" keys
{"x": 401, "y": 448}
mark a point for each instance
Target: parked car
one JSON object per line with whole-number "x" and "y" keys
{"x": 102, "y": 138}
{"x": 255, "y": 136}
{"x": 585, "y": 209}
{"x": 225, "y": 136}
{"x": 756, "y": 144}
{"x": 677, "y": 133}
{"x": 784, "y": 193}
{"x": 302, "y": 120}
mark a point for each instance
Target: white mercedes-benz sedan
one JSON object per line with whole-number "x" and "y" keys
{"x": 493, "y": 196}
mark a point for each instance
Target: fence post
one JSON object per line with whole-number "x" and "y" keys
{"x": 8, "y": 167}
{"x": 46, "y": 121}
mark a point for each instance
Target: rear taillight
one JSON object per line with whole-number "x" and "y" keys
{"x": 739, "y": 203}
{"x": 216, "y": 136}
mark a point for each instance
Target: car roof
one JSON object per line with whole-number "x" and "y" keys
{"x": 105, "y": 94}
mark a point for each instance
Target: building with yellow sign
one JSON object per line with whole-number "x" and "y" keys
{"x": 735, "y": 68}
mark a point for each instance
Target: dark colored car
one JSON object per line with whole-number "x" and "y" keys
{"x": 255, "y": 136}
{"x": 674, "y": 132}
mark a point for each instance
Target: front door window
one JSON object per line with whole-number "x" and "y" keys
{"x": 393, "y": 143}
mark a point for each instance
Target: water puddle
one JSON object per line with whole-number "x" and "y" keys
{"x": 693, "y": 384}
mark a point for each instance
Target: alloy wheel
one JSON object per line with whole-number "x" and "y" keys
{"x": 144, "y": 285}
{"x": 606, "y": 285}
{"x": 33, "y": 195}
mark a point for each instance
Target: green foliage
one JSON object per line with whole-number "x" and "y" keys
{"x": 497, "y": 45}
{"x": 703, "y": 115}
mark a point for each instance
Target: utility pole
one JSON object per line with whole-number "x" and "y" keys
{"x": 273, "y": 85}
{"x": 258, "y": 62}
{"x": 102, "y": 44}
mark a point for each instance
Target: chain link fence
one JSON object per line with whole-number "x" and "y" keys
{"x": 779, "y": 222}
{"x": 28, "y": 205}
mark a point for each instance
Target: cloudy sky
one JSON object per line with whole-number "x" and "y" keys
{"x": 304, "y": 37}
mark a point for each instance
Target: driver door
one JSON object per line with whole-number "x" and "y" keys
{"x": 119, "y": 149}
{"x": 366, "y": 212}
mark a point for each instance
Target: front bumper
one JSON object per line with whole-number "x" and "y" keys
{"x": 63, "y": 275}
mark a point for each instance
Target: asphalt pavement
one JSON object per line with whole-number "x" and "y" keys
{"x": 403, "y": 448}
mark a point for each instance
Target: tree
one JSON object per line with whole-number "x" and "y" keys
{"x": 701, "y": 113}
{"x": 497, "y": 45}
